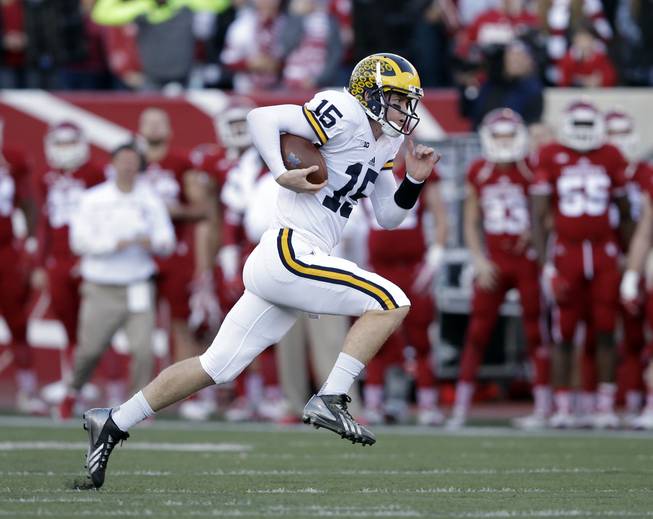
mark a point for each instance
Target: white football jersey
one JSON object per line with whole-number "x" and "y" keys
{"x": 354, "y": 160}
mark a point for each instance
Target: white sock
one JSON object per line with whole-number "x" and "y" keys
{"x": 606, "y": 397}
{"x": 373, "y": 395}
{"x": 427, "y": 398}
{"x": 254, "y": 387}
{"x": 26, "y": 381}
{"x": 134, "y": 410}
{"x": 634, "y": 401}
{"x": 342, "y": 376}
{"x": 587, "y": 402}
{"x": 464, "y": 394}
{"x": 543, "y": 398}
{"x": 563, "y": 401}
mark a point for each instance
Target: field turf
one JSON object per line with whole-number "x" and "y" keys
{"x": 171, "y": 469}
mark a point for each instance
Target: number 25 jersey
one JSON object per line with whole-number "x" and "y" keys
{"x": 356, "y": 164}
{"x": 582, "y": 186}
{"x": 502, "y": 192}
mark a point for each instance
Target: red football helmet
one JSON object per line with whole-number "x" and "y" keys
{"x": 504, "y": 137}
{"x": 231, "y": 124}
{"x": 66, "y": 146}
{"x": 620, "y": 131}
{"x": 582, "y": 126}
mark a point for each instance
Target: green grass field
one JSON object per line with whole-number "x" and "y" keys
{"x": 214, "y": 470}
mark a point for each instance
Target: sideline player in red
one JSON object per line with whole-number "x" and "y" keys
{"x": 15, "y": 193}
{"x": 620, "y": 130}
{"x": 577, "y": 179}
{"x": 497, "y": 212}
{"x": 404, "y": 256}
{"x": 68, "y": 173}
{"x": 632, "y": 288}
{"x": 174, "y": 177}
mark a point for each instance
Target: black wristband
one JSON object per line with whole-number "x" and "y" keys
{"x": 407, "y": 193}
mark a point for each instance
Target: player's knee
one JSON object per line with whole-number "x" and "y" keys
{"x": 533, "y": 337}
{"x": 478, "y": 333}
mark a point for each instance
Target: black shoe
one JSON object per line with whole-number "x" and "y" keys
{"x": 330, "y": 412}
{"x": 103, "y": 436}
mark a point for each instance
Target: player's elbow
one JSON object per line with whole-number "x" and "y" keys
{"x": 255, "y": 118}
{"x": 387, "y": 224}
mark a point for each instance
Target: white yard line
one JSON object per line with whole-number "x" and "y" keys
{"x": 142, "y": 446}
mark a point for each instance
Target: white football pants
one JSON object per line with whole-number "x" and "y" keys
{"x": 283, "y": 276}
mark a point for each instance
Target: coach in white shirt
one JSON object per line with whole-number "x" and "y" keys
{"x": 120, "y": 225}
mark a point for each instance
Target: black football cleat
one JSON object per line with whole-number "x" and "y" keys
{"x": 103, "y": 436}
{"x": 330, "y": 412}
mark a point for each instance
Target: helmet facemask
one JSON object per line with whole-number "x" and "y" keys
{"x": 66, "y": 147}
{"x": 504, "y": 137}
{"x": 620, "y": 130}
{"x": 231, "y": 127}
{"x": 583, "y": 128}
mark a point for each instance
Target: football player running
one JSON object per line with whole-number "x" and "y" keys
{"x": 360, "y": 131}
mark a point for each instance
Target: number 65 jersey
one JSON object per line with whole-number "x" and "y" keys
{"x": 582, "y": 186}
{"x": 357, "y": 164}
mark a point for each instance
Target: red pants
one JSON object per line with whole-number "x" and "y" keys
{"x": 174, "y": 281}
{"x": 517, "y": 272}
{"x": 64, "y": 282}
{"x": 13, "y": 302}
{"x": 413, "y": 331}
{"x": 591, "y": 275}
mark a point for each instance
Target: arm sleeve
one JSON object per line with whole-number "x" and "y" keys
{"x": 119, "y": 12}
{"x": 162, "y": 233}
{"x": 267, "y": 123}
{"x": 84, "y": 235}
{"x": 388, "y": 214}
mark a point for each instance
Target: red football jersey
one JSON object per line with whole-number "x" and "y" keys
{"x": 406, "y": 243}
{"x": 582, "y": 186}
{"x": 213, "y": 160}
{"x": 14, "y": 186}
{"x": 502, "y": 192}
{"x": 639, "y": 177}
{"x": 166, "y": 177}
{"x": 59, "y": 195}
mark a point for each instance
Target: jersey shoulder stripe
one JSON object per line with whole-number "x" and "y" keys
{"x": 315, "y": 124}
{"x": 330, "y": 274}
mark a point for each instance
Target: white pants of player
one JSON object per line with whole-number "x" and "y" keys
{"x": 286, "y": 275}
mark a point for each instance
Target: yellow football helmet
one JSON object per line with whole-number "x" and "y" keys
{"x": 375, "y": 78}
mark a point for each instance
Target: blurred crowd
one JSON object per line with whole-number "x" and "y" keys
{"x": 157, "y": 238}
{"x": 497, "y": 52}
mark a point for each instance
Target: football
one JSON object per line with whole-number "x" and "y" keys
{"x": 299, "y": 153}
